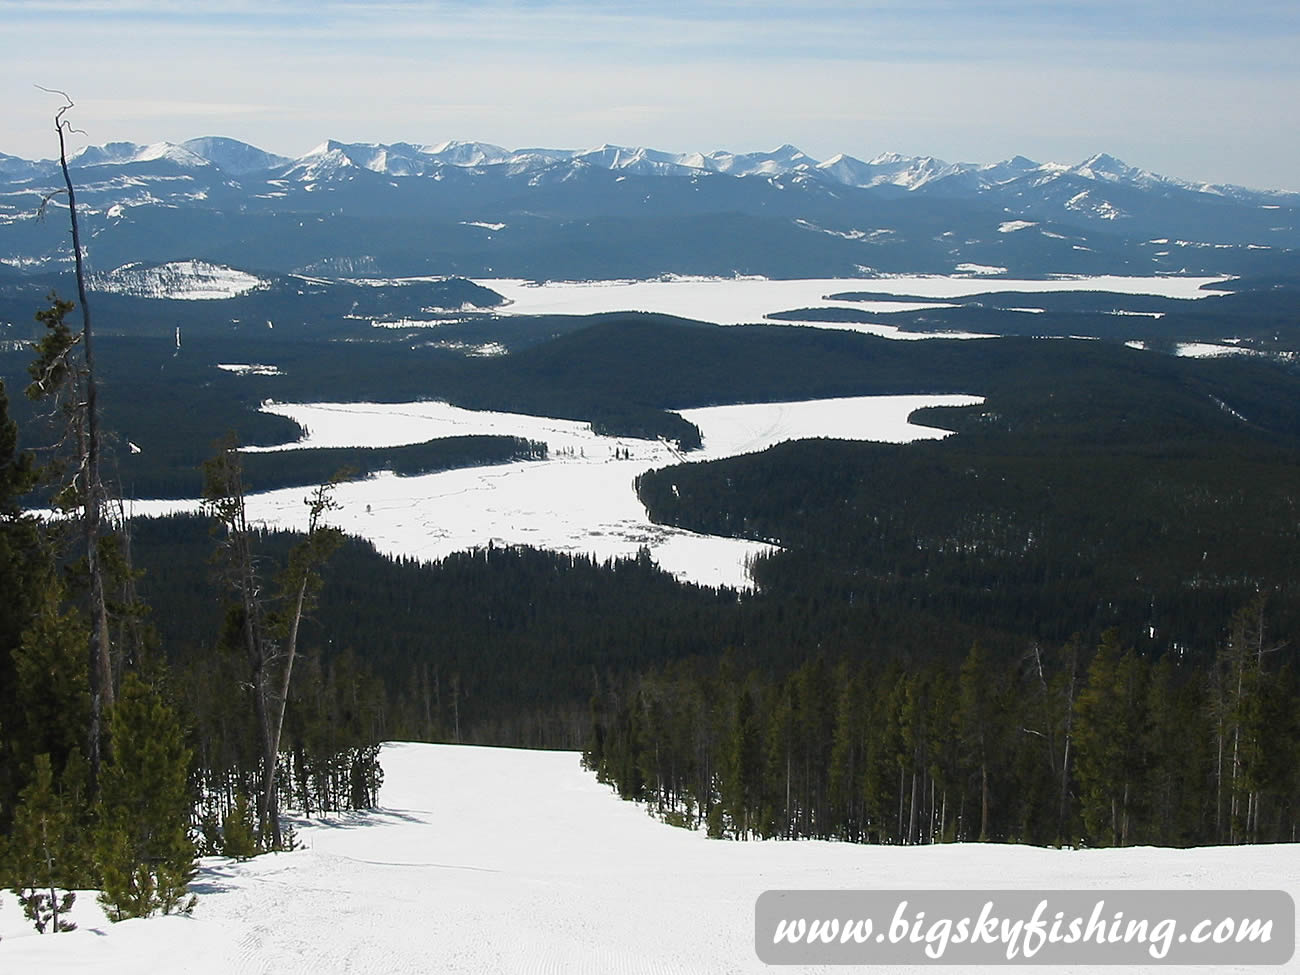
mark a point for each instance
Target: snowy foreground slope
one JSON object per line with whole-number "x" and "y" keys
{"x": 489, "y": 860}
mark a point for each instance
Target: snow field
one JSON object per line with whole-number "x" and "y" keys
{"x": 485, "y": 860}
{"x": 581, "y": 501}
{"x": 746, "y": 300}
{"x": 187, "y": 280}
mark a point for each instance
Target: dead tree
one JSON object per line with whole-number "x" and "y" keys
{"x": 300, "y": 584}
{"x": 89, "y": 492}
{"x": 270, "y": 640}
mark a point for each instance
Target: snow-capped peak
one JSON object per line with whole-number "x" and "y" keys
{"x": 454, "y": 153}
{"x": 172, "y": 153}
{"x": 892, "y": 171}
{"x": 848, "y": 170}
{"x": 126, "y": 153}
{"x": 232, "y": 156}
{"x": 783, "y": 159}
{"x": 888, "y": 159}
{"x": 1105, "y": 166}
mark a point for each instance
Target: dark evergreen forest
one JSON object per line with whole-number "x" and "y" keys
{"x": 1099, "y": 498}
{"x": 1072, "y": 622}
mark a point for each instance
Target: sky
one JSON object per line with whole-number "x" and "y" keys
{"x": 1199, "y": 89}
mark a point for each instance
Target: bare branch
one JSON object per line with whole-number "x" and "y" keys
{"x": 45, "y": 201}
{"x": 66, "y": 97}
{"x": 59, "y": 120}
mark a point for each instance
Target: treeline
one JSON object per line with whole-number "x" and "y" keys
{"x": 1059, "y": 746}
{"x": 1121, "y": 491}
{"x": 501, "y": 646}
{"x": 310, "y": 466}
{"x": 1260, "y": 314}
{"x": 164, "y": 407}
{"x": 624, "y": 373}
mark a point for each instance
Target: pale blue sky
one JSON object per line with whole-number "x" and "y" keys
{"x": 1198, "y": 89}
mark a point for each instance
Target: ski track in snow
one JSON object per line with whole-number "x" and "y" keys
{"x": 485, "y": 860}
{"x": 581, "y": 501}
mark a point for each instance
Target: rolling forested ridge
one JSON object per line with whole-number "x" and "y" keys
{"x": 1068, "y": 624}
{"x": 1073, "y": 622}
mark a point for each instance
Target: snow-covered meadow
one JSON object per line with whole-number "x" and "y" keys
{"x": 747, "y": 300}
{"x": 582, "y": 500}
{"x": 485, "y": 860}
{"x": 178, "y": 280}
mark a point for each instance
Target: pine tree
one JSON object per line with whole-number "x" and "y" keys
{"x": 1111, "y": 730}
{"x": 742, "y": 780}
{"x": 1179, "y": 742}
{"x": 779, "y": 753}
{"x": 45, "y": 853}
{"x": 25, "y": 572}
{"x": 945, "y": 755}
{"x": 1241, "y": 690}
{"x": 237, "y": 837}
{"x": 846, "y": 757}
{"x": 143, "y": 848}
{"x": 977, "y": 726}
{"x": 51, "y": 703}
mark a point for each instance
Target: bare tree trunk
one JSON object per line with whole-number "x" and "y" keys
{"x": 276, "y": 724}
{"x": 1218, "y": 785}
{"x": 304, "y": 561}
{"x": 984, "y": 802}
{"x": 1065, "y": 790}
{"x": 901, "y": 774}
{"x": 455, "y": 704}
{"x": 911, "y": 813}
{"x": 100, "y": 663}
{"x": 785, "y": 828}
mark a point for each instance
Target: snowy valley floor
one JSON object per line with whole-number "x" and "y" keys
{"x": 485, "y": 860}
{"x": 582, "y": 500}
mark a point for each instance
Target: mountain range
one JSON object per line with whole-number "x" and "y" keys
{"x": 235, "y": 158}
{"x": 473, "y": 208}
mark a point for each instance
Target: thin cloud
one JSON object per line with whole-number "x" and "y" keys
{"x": 1196, "y": 88}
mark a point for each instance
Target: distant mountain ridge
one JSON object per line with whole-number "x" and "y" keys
{"x": 478, "y": 209}
{"x": 409, "y": 159}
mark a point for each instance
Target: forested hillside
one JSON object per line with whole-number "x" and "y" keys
{"x": 1116, "y": 545}
{"x": 1071, "y": 622}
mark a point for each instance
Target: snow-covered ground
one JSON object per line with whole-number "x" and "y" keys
{"x": 484, "y": 860}
{"x": 1203, "y": 350}
{"x": 582, "y": 500}
{"x": 746, "y": 300}
{"x": 186, "y": 280}
{"x": 250, "y": 368}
